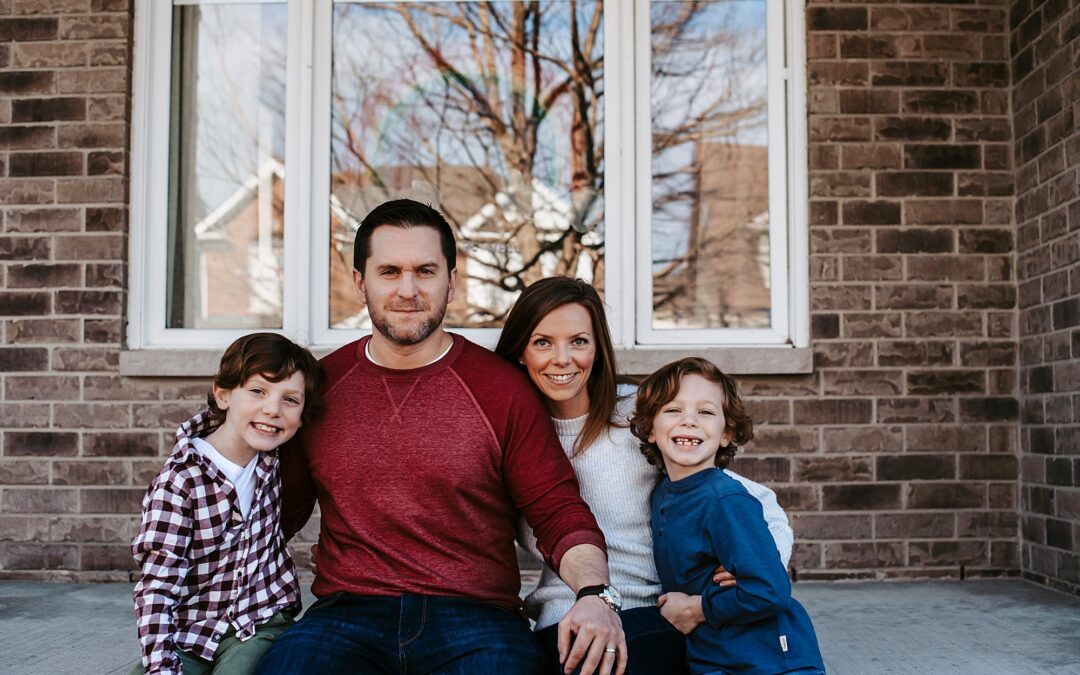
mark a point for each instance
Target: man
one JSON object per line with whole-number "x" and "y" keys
{"x": 429, "y": 448}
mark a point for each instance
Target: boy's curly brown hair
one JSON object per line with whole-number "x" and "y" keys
{"x": 274, "y": 357}
{"x": 662, "y": 386}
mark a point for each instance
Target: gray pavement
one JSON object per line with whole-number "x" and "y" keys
{"x": 981, "y": 627}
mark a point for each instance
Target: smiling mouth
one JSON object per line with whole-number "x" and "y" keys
{"x": 265, "y": 428}
{"x": 561, "y": 379}
{"x": 686, "y": 441}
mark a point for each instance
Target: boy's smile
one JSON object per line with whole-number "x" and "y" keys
{"x": 690, "y": 429}
{"x": 260, "y": 415}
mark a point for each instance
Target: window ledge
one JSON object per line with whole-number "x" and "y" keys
{"x": 641, "y": 361}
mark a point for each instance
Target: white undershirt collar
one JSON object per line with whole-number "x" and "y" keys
{"x": 367, "y": 353}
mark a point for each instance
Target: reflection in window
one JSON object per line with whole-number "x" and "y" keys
{"x": 491, "y": 112}
{"x": 226, "y": 177}
{"x": 710, "y": 218}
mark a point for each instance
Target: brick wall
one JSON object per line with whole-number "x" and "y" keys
{"x": 75, "y": 440}
{"x": 903, "y": 441}
{"x": 896, "y": 457}
{"x": 1045, "y": 40}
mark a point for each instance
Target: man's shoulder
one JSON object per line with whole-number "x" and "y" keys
{"x": 482, "y": 365}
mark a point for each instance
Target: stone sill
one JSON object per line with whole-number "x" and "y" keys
{"x": 780, "y": 360}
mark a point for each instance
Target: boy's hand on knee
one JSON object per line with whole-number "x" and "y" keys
{"x": 681, "y": 610}
{"x": 723, "y": 578}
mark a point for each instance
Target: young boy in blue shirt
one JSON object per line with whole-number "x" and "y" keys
{"x": 689, "y": 419}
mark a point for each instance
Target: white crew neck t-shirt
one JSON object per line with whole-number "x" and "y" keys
{"x": 242, "y": 477}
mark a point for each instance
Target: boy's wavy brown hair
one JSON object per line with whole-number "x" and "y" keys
{"x": 661, "y": 388}
{"x": 274, "y": 357}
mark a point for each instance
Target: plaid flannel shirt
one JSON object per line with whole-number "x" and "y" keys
{"x": 204, "y": 569}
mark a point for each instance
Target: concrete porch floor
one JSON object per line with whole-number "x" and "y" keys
{"x": 984, "y": 627}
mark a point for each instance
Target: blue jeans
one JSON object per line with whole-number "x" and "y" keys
{"x": 412, "y": 634}
{"x": 653, "y": 645}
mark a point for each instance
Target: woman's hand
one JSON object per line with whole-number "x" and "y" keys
{"x": 681, "y": 610}
{"x": 723, "y": 578}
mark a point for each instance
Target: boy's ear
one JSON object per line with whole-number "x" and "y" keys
{"x": 725, "y": 440}
{"x": 221, "y": 397}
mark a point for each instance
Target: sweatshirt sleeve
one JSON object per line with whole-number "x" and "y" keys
{"x": 737, "y": 534}
{"x": 542, "y": 484}
{"x": 161, "y": 550}
{"x": 775, "y": 517}
{"x": 298, "y": 491}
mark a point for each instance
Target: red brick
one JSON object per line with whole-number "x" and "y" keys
{"x": 24, "y": 331}
{"x": 82, "y": 472}
{"x": 39, "y": 500}
{"x": 832, "y": 469}
{"x": 24, "y": 472}
{"x": 913, "y": 296}
{"x": 915, "y": 467}
{"x": 938, "y": 438}
{"x": 21, "y": 359}
{"x": 41, "y": 388}
{"x": 863, "y": 439}
{"x": 860, "y": 497}
{"x": 950, "y": 553}
{"x": 833, "y": 411}
{"x": 915, "y": 410}
{"x": 112, "y": 500}
{"x": 832, "y": 526}
{"x": 873, "y": 555}
{"x": 914, "y": 525}
{"x": 121, "y": 444}
{"x": 946, "y": 496}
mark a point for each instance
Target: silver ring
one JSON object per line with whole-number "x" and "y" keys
{"x": 610, "y": 650}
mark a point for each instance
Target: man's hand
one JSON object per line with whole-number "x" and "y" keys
{"x": 593, "y": 628}
{"x": 314, "y": 562}
{"x": 723, "y": 578}
{"x": 682, "y": 611}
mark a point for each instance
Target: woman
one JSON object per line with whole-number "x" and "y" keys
{"x": 558, "y": 334}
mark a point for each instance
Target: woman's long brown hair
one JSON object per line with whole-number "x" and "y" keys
{"x": 539, "y": 300}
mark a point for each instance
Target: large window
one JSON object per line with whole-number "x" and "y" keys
{"x": 653, "y": 148}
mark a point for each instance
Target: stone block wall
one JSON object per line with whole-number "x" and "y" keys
{"x": 1045, "y": 39}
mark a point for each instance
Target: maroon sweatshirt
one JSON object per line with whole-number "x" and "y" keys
{"x": 420, "y": 475}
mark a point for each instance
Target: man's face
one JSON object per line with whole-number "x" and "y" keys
{"x": 405, "y": 284}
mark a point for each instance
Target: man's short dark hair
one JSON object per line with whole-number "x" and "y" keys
{"x": 403, "y": 213}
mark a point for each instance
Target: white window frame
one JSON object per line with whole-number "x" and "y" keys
{"x": 306, "y": 301}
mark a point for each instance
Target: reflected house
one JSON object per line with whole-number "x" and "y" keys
{"x": 484, "y": 215}
{"x": 237, "y": 256}
{"x": 729, "y": 222}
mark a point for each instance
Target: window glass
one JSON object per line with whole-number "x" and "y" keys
{"x": 710, "y": 187}
{"x": 227, "y": 160}
{"x": 490, "y": 111}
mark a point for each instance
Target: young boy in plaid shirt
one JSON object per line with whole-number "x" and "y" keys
{"x": 217, "y": 583}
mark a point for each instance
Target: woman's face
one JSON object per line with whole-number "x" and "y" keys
{"x": 559, "y": 359}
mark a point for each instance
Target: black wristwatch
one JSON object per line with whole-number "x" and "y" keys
{"x": 608, "y": 594}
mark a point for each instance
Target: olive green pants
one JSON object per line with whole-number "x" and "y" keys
{"x": 233, "y": 657}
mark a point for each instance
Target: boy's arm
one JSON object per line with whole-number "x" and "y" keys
{"x": 775, "y": 517}
{"x": 741, "y": 542}
{"x": 161, "y": 548}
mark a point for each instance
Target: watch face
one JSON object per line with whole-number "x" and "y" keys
{"x": 612, "y": 596}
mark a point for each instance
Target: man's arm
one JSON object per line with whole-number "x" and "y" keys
{"x": 591, "y": 626}
{"x": 297, "y": 488}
